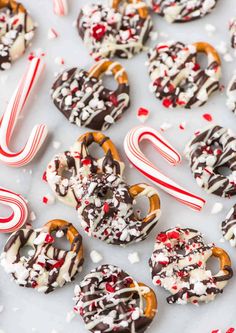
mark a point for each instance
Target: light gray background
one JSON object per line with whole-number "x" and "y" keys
{"x": 26, "y": 310}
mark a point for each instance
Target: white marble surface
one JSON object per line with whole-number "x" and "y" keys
{"x": 27, "y": 311}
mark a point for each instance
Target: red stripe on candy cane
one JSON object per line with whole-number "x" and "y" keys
{"x": 149, "y": 170}
{"x": 10, "y": 117}
{"x": 19, "y": 209}
{"x": 60, "y": 7}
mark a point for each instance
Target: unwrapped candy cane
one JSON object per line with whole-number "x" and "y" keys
{"x": 19, "y": 213}
{"x": 10, "y": 117}
{"x": 148, "y": 169}
{"x": 60, "y": 7}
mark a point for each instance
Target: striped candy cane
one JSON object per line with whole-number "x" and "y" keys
{"x": 60, "y": 7}
{"x": 9, "y": 120}
{"x": 148, "y": 169}
{"x": 19, "y": 209}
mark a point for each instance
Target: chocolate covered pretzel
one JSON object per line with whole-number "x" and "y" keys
{"x": 121, "y": 29}
{"x": 228, "y": 226}
{"x": 110, "y": 300}
{"x": 178, "y": 264}
{"x": 85, "y": 101}
{"x": 177, "y": 79}
{"x": 96, "y": 188}
{"x": 16, "y": 32}
{"x": 231, "y": 94}
{"x": 182, "y": 10}
{"x": 208, "y": 152}
{"x": 46, "y": 267}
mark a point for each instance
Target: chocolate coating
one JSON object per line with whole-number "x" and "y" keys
{"x": 85, "y": 101}
{"x": 209, "y": 151}
{"x": 182, "y": 10}
{"x": 107, "y": 303}
{"x": 178, "y": 264}
{"x": 16, "y": 32}
{"x": 231, "y": 94}
{"x": 108, "y": 33}
{"x": 176, "y": 77}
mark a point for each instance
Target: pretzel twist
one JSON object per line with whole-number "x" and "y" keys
{"x": 13, "y": 5}
{"x": 104, "y": 66}
{"x": 151, "y": 301}
{"x": 142, "y": 10}
{"x": 209, "y": 50}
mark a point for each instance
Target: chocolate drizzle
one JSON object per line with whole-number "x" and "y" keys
{"x": 108, "y": 33}
{"x": 209, "y": 151}
{"x": 176, "y": 77}
{"x": 228, "y": 226}
{"x": 178, "y": 263}
{"x": 182, "y": 10}
{"x": 16, "y": 32}
{"x": 107, "y": 303}
{"x": 84, "y": 100}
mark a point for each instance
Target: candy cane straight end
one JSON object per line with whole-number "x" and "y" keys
{"x": 19, "y": 208}
{"x": 60, "y": 7}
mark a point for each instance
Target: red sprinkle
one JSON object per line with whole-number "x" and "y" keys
{"x": 99, "y": 31}
{"x": 109, "y": 288}
{"x": 143, "y": 112}
{"x": 106, "y": 207}
{"x": 86, "y": 161}
{"x": 207, "y": 117}
{"x": 44, "y": 178}
{"x": 166, "y": 102}
{"x": 231, "y": 330}
{"x": 196, "y": 67}
{"x": 59, "y": 263}
{"x": 34, "y": 284}
{"x": 45, "y": 200}
{"x": 49, "y": 239}
{"x": 162, "y": 237}
{"x": 114, "y": 100}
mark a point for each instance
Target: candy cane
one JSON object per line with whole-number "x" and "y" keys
{"x": 60, "y": 7}
{"x": 141, "y": 163}
{"x": 20, "y": 211}
{"x": 9, "y": 120}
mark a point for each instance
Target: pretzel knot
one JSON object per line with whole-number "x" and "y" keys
{"x": 109, "y": 300}
{"x": 119, "y": 30}
{"x": 177, "y": 79}
{"x": 85, "y": 101}
{"x": 45, "y": 267}
{"x": 178, "y": 264}
{"x": 16, "y": 32}
{"x": 96, "y": 188}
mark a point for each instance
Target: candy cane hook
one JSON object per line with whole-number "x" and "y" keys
{"x": 148, "y": 169}
{"x": 9, "y": 120}
{"x": 19, "y": 213}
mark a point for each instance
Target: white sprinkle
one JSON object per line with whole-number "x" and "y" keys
{"x": 153, "y": 35}
{"x": 49, "y": 199}
{"x": 228, "y": 57}
{"x": 210, "y": 28}
{"x": 59, "y": 61}
{"x": 56, "y": 144}
{"x": 32, "y": 216}
{"x": 165, "y": 126}
{"x": 59, "y": 234}
{"x": 217, "y": 207}
{"x": 133, "y": 257}
{"x": 70, "y": 316}
{"x": 95, "y": 256}
{"x": 1, "y": 308}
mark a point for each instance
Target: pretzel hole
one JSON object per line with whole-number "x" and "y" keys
{"x": 223, "y": 170}
{"x": 202, "y": 60}
{"x": 95, "y": 151}
{"x": 27, "y": 251}
{"x": 212, "y": 265}
{"x": 141, "y": 207}
{"x": 67, "y": 174}
{"x": 109, "y": 82}
{"x": 61, "y": 243}
{"x": 105, "y": 194}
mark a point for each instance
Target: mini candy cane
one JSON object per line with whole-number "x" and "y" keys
{"x": 141, "y": 163}
{"x": 9, "y": 120}
{"x": 20, "y": 211}
{"x": 60, "y": 7}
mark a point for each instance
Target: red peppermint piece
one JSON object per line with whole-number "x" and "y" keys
{"x": 143, "y": 112}
{"x": 98, "y": 31}
{"x": 44, "y": 178}
{"x": 45, "y": 200}
{"x": 162, "y": 237}
{"x": 113, "y": 99}
{"x": 15, "y": 21}
{"x": 162, "y": 47}
{"x": 106, "y": 207}
{"x": 49, "y": 239}
{"x": 34, "y": 284}
{"x": 166, "y": 102}
{"x": 173, "y": 235}
{"x": 59, "y": 263}
{"x": 196, "y": 67}
{"x": 86, "y": 161}
{"x": 230, "y": 330}
{"x": 109, "y": 288}
{"x": 207, "y": 117}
